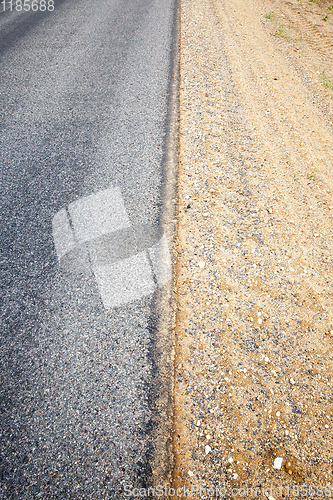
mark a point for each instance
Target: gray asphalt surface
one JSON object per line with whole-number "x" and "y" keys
{"x": 85, "y": 394}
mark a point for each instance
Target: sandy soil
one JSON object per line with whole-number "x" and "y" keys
{"x": 254, "y": 333}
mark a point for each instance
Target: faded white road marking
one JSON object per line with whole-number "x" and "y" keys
{"x": 126, "y": 280}
{"x": 63, "y": 235}
{"x": 127, "y": 261}
{"x": 161, "y": 260}
{"x": 98, "y": 214}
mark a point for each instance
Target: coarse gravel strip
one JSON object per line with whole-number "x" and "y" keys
{"x": 254, "y": 330}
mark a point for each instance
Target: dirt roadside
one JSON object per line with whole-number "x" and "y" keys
{"x": 254, "y": 332}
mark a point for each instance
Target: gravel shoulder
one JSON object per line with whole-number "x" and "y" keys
{"x": 254, "y": 329}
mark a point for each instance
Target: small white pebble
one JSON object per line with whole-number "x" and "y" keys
{"x": 277, "y": 463}
{"x": 266, "y": 359}
{"x": 201, "y": 264}
{"x": 198, "y": 423}
{"x": 278, "y": 413}
{"x": 235, "y": 476}
{"x": 292, "y": 381}
{"x": 259, "y": 321}
{"x": 208, "y": 436}
{"x": 190, "y": 473}
{"x": 207, "y": 449}
{"x": 230, "y": 460}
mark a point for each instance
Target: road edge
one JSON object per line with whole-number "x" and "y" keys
{"x": 163, "y": 351}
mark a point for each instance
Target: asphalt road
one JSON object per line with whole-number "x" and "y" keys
{"x": 85, "y": 370}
